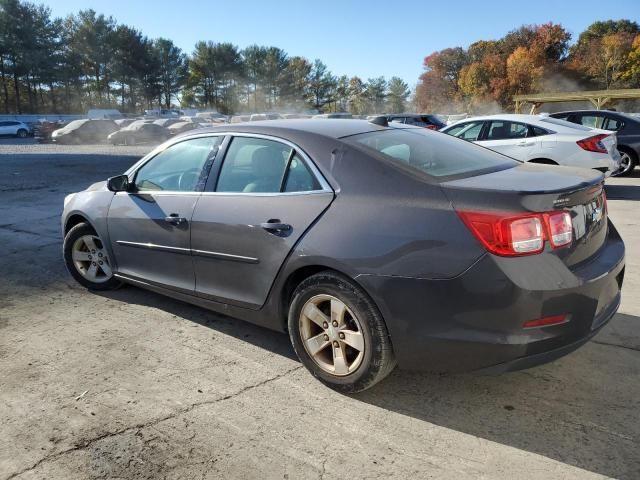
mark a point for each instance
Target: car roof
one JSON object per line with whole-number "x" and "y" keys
{"x": 514, "y": 117}
{"x": 333, "y": 128}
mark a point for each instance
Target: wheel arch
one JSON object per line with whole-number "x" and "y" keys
{"x": 300, "y": 274}
{"x": 75, "y": 219}
{"x": 543, "y": 161}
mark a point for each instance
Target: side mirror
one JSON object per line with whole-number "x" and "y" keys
{"x": 119, "y": 183}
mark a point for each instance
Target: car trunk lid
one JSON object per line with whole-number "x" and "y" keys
{"x": 530, "y": 188}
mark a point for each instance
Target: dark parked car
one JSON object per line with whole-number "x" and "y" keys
{"x": 84, "y": 131}
{"x": 370, "y": 244}
{"x": 182, "y": 127}
{"x": 627, "y": 130}
{"x": 139, "y": 132}
{"x": 418, "y": 119}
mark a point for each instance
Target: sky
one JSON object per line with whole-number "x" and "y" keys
{"x": 364, "y": 38}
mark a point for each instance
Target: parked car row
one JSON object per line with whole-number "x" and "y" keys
{"x": 122, "y": 131}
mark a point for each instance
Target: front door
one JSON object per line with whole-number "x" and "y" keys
{"x": 267, "y": 195}
{"x": 150, "y": 226}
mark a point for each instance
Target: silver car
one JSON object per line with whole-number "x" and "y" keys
{"x": 14, "y": 128}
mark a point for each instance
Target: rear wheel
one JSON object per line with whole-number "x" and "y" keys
{"x": 628, "y": 162}
{"x": 87, "y": 258}
{"x": 339, "y": 334}
{"x": 130, "y": 140}
{"x": 22, "y": 133}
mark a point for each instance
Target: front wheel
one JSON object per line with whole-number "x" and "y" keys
{"x": 339, "y": 334}
{"x": 22, "y": 133}
{"x": 87, "y": 259}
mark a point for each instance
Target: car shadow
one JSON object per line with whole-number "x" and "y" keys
{"x": 510, "y": 409}
{"x": 275, "y": 342}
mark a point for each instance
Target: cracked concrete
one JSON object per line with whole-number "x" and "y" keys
{"x": 174, "y": 391}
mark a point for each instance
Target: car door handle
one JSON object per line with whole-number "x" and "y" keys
{"x": 525, "y": 144}
{"x": 175, "y": 219}
{"x": 274, "y": 226}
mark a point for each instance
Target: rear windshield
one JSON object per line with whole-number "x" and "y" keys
{"x": 564, "y": 123}
{"x": 435, "y": 154}
{"x": 75, "y": 124}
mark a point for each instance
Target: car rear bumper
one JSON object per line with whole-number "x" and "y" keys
{"x": 475, "y": 321}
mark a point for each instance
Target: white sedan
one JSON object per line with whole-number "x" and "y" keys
{"x": 542, "y": 139}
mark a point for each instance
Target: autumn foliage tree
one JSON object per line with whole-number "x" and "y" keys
{"x": 530, "y": 58}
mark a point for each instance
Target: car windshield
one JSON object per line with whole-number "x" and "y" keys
{"x": 432, "y": 153}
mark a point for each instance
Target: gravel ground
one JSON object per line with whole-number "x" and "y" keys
{"x": 129, "y": 384}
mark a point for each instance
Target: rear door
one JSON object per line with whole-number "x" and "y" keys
{"x": 267, "y": 194}
{"x": 510, "y": 138}
{"x": 150, "y": 227}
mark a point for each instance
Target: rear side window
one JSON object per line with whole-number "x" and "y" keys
{"x": 257, "y": 165}
{"x": 537, "y": 131}
{"x": 299, "y": 178}
{"x": 430, "y": 153}
{"x": 612, "y": 124}
{"x": 501, "y": 130}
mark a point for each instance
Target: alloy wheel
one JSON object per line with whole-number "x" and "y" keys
{"x": 332, "y": 335}
{"x": 625, "y": 164}
{"x": 90, "y": 259}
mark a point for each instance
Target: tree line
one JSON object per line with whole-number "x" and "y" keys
{"x": 87, "y": 60}
{"x": 532, "y": 58}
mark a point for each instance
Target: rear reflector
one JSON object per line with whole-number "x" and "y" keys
{"x": 546, "y": 321}
{"x": 517, "y": 234}
{"x": 594, "y": 144}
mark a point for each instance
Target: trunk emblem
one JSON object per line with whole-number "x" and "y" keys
{"x": 596, "y": 215}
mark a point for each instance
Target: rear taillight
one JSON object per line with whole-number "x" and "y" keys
{"x": 594, "y": 144}
{"x": 514, "y": 234}
{"x": 432, "y": 127}
{"x": 559, "y": 228}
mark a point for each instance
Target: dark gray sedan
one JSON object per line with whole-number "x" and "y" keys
{"x": 370, "y": 243}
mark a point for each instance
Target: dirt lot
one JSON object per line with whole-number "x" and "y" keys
{"x": 129, "y": 384}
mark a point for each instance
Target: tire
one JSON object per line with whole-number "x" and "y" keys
{"x": 365, "y": 367}
{"x": 130, "y": 141}
{"x": 631, "y": 161}
{"x": 22, "y": 133}
{"x": 80, "y": 259}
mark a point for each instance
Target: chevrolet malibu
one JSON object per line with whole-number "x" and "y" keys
{"x": 371, "y": 243}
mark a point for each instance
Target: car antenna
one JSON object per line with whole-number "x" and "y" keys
{"x": 380, "y": 120}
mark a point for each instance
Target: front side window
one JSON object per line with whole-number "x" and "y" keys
{"x": 179, "y": 168}
{"x": 433, "y": 154}
{"x": 467, "y": 131}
